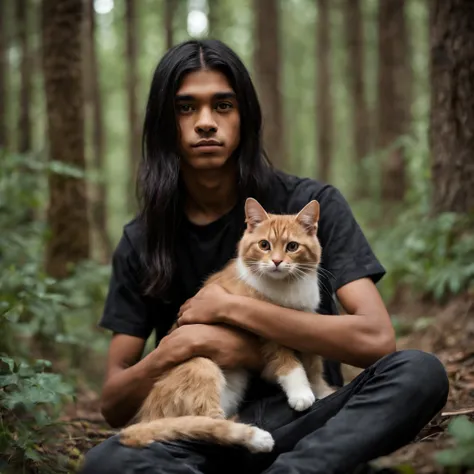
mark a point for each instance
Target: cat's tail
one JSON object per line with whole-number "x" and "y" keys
{"x": 201, "y": 428}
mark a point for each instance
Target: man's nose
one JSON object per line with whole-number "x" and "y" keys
{"x": 205, "y": 121}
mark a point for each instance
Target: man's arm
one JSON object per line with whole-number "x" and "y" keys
{"x": 358, "y": 338}
{"x": 129, "y": 380}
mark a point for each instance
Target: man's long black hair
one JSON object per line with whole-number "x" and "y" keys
{"x": 158, "y": 178}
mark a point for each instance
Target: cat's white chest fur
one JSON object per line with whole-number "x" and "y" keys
{"x": 302, "y": 294}
{"x": 236, "y": 382}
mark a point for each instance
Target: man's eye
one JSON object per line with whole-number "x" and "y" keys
{"x": 224, "y": 106}
{"x": 184, "y": 108}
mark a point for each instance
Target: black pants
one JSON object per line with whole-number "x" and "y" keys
{"x": 381, "y": 410}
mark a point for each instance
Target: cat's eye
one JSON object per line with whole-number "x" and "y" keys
{"x": 264, "y": 245}
{"x": 292, "y": 246}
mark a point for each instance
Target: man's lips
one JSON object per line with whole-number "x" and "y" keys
{"x": 207, "y": 143}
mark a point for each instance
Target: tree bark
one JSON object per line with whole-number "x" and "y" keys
{"x": 323, "y": 102}
{"x": 452, "y": 105}
{"x": 393, "y": 96}
{"x": 67, "y": 211}
{"x": 99, "y": 204}
{"x": 3, "y": 76}
{"x": 132, "y": 87}
{"x": 267, "y": 64}
{"x": 359, "y": 108}
{"x": 168, "y": 20}
{"x": 24, "y": 118}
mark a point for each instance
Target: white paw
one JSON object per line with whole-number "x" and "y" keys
{"x": 301, "y": 400}
{"x": 261, "y": 441}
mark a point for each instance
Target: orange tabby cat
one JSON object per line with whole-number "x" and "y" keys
{"x": 278, "y": 258}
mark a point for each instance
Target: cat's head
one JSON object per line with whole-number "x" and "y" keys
{"x": 280, "y": 246}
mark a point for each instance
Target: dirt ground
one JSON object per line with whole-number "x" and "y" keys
{"x": 450, "y": 336}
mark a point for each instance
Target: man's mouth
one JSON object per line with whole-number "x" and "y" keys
{"x": 207, "y": 144}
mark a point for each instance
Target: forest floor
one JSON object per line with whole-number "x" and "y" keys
{"x": 449, "y": 336}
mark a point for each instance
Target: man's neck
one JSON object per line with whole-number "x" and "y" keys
{"x": 209, "y": 193}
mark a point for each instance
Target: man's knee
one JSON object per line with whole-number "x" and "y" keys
{"x": 423, "y": 372}
{"x": 107, "y": 457}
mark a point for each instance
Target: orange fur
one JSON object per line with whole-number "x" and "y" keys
{"x": 186, "y": 401}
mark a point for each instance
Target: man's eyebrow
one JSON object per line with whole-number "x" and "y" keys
{"x": 217, "y": 95}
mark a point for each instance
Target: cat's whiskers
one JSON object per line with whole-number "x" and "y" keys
{"x": 323, "y": 287}
{"x": 326, "y": 272}
{"x": 299, "y": 274}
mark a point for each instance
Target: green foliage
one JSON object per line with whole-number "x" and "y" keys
{"x": 462, "y": 452}
{"x": 433, "y": 256}
{"x": 38, "y": 315}
{"x": 30, "y": 400}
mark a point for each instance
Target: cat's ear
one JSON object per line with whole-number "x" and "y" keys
{"x": 308, "y": 217}
{"x": 254, "y": 214}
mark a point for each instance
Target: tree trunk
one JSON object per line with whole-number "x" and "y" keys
{"x": 24, "y": 118}
{"x": 67, "y": 211}
{"x": 267, "y": 69}
{"x": 393, "y": 96}
{"x": 452, "y": 105}
{"x": 132, "y": 87}
{"x": 99, "y": 204}
{"x": 168, "y": 17}
{"x": 359, "y": 109}
{"x": 3, "y": 75}
{"x": 323, "y": 102}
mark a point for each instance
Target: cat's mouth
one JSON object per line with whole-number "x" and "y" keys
{"x": 277, "y": 273}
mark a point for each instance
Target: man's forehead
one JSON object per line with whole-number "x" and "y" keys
{"x": 205, "y": 84}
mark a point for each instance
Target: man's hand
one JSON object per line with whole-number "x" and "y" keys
{"x": 228, "y": 347}
{"x": 206, "y": 307}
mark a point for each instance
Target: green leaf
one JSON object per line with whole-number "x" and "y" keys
{"x": 462, "y": 430}
{"x": 42, "y": 419}
{"x": 32, "y": 455}
{"x": 10, "y": 363}
{"x": 6, "y": 380}
{"x": 405, "y": 469}
{"x": 462, "y": 456}
{"x": 42, "y": 364}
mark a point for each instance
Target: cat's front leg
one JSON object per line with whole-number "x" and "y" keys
{"x": 283, "y": 366}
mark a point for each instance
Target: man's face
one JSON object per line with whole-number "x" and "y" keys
{"x": 208, "y": 120}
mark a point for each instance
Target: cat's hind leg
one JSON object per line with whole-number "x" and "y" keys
{"x": 313, "y": 365}
{"x": 284, "y": 367}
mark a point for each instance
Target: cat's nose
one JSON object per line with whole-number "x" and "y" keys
{"x": 277, "y": 262}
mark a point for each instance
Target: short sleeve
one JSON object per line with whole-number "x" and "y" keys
{"x": 126, "y": 310}
{"x": 346, "y": 254}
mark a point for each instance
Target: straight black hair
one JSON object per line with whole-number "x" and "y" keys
{"x": 158, "y": 181}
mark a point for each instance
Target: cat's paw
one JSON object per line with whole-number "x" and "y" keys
{"x": 302, "y": 400}
{"x": 261, "y": 441}
{"x": 136, "y": 436}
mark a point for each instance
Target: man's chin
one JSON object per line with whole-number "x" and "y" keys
{"x": 208, "y": 162}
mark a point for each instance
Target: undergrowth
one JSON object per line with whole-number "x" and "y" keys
{"x": 461, "y": 454}
{"x": 432, "y": 256}
{"x": 46, "y": 326}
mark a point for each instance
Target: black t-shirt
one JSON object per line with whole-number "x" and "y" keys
{"x": 202, "y": 250}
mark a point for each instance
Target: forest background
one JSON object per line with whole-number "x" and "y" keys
{"x": 374, "y": 96}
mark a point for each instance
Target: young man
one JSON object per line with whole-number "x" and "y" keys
{"x": 202, "y": 157}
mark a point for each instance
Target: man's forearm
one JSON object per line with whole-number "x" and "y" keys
{"x": 124, "y": 393}
{"x": 349, "y": 339}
